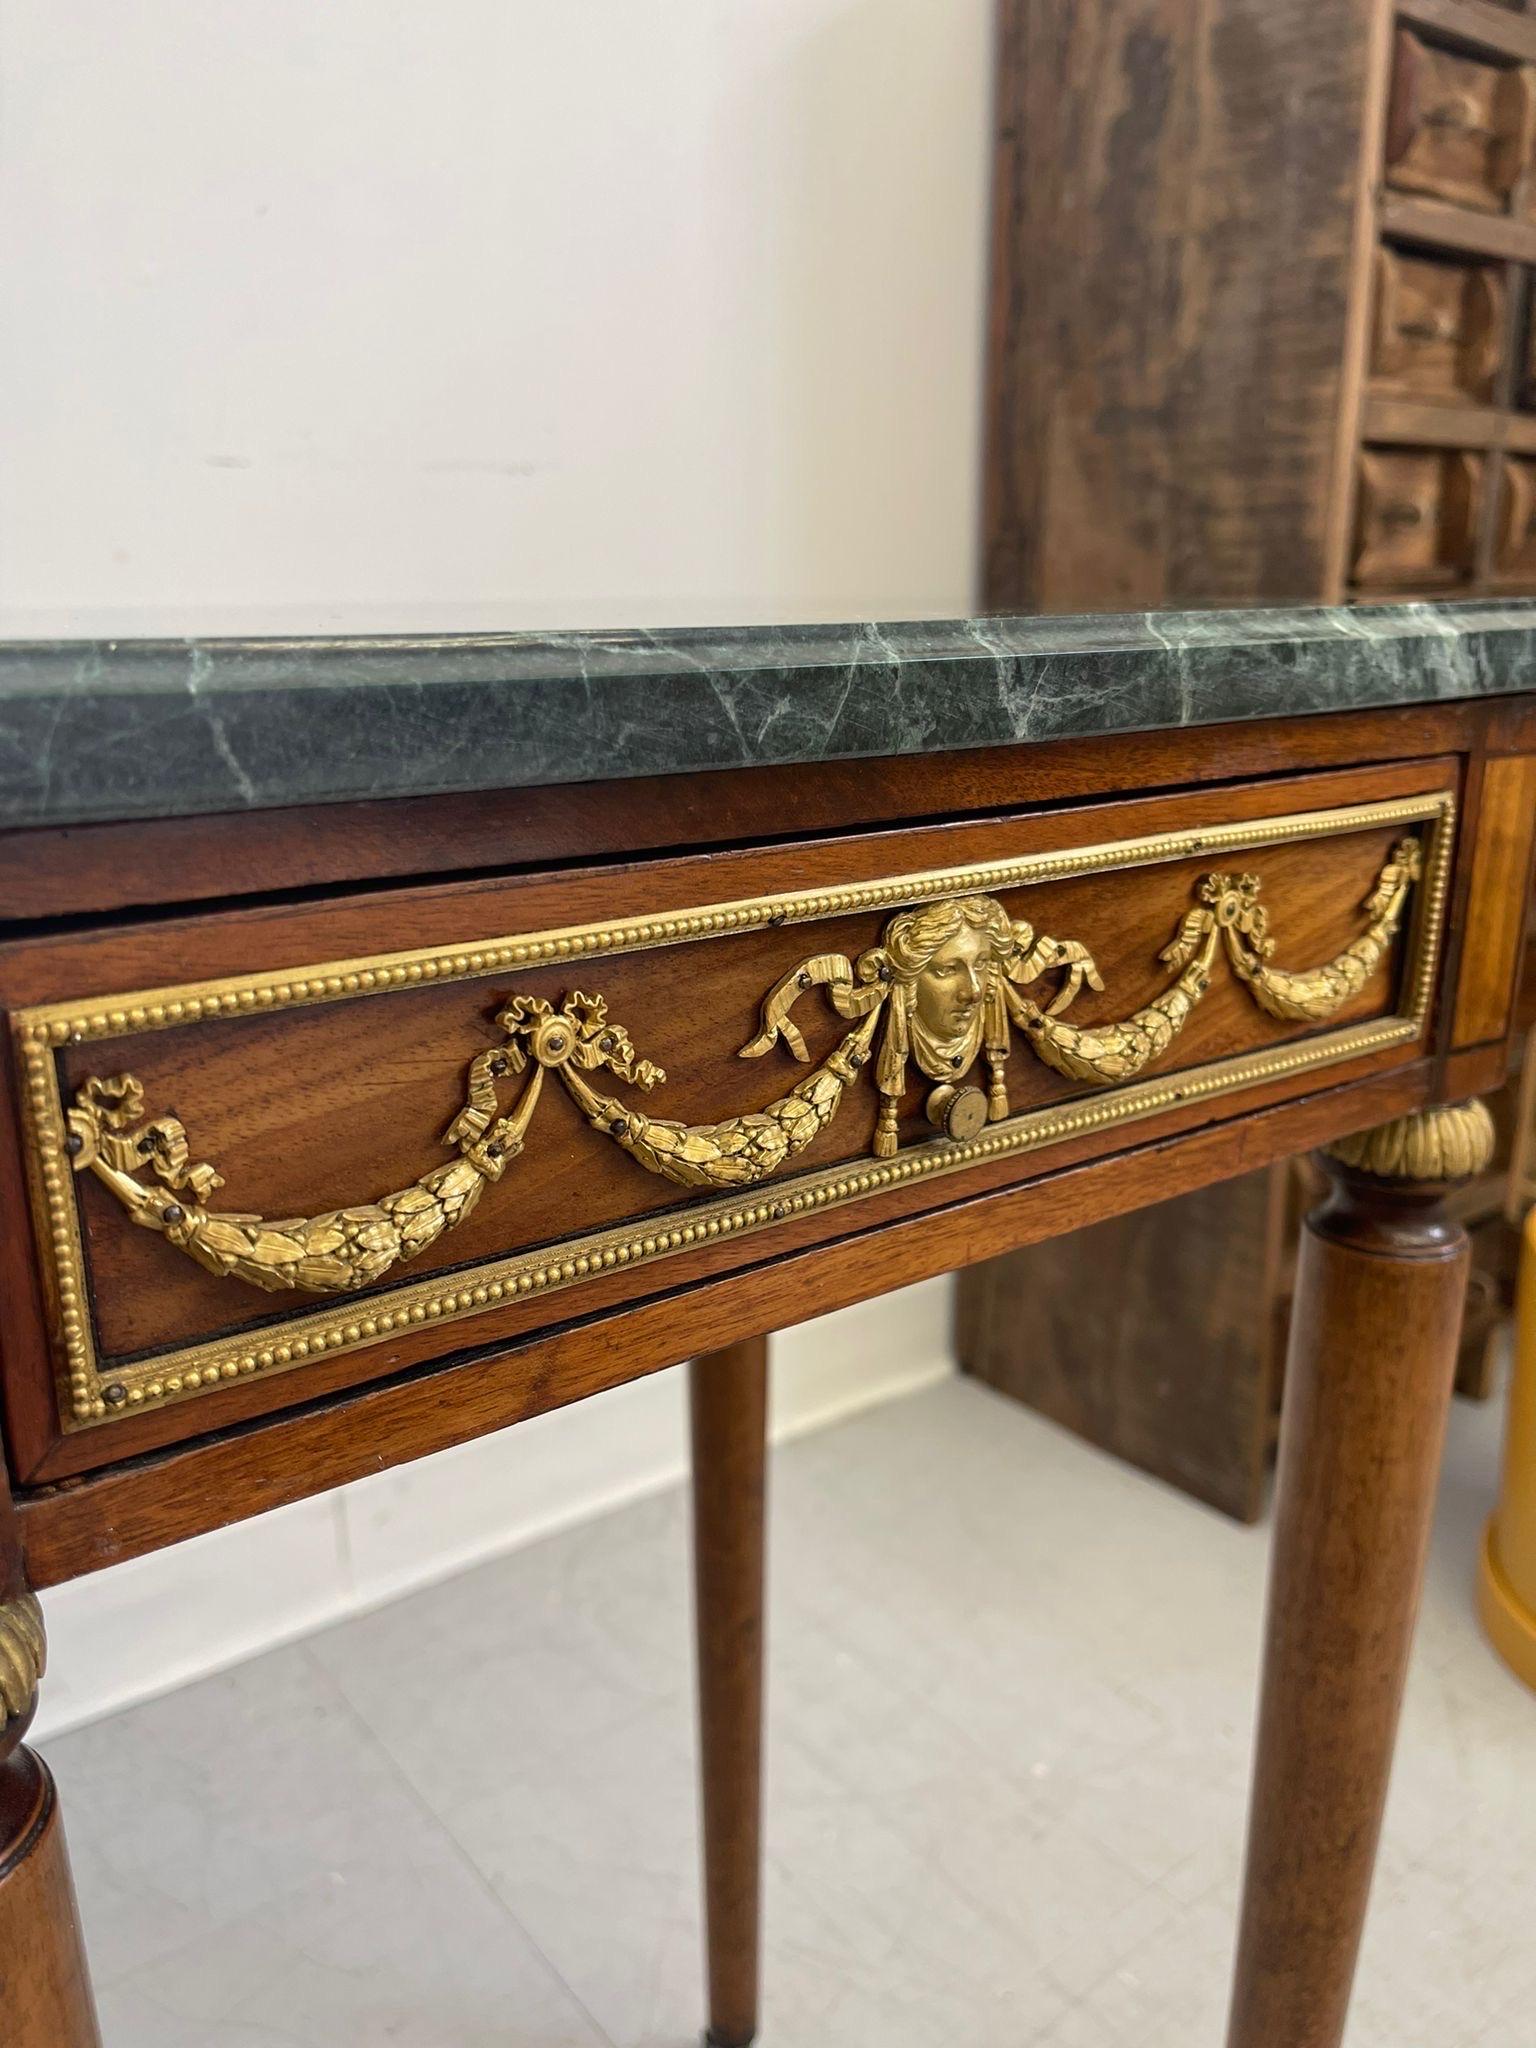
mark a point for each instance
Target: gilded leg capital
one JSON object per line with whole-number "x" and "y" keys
{"x": 1430, "y": 1146}
{"x": 23, "y": 1655}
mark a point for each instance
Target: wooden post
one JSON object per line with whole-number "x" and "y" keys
{"x": 728, "y": 1393}
{"x": 45, "y": 1989}
{"x": 1372, "y": 1357}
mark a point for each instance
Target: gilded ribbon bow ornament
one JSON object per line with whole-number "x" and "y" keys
{"x": 949, "y": 983}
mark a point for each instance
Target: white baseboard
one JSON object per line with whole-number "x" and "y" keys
{"x": 159, "y": 1622}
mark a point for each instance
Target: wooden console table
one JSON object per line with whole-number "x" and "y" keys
{"x": 407, "y": 1037}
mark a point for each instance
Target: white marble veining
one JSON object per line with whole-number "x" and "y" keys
{"x": 152, "y": 728}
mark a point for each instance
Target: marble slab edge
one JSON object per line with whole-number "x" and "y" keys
{"x": 125, "y": 729}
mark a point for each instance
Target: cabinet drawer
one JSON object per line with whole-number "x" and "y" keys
{"x": 274, "y": 1153}
{"x": 1514, "y": 554}
{"x": 1438, "y": 327}
{"x": 1414, "y": 516}
{"x": 1458, "y": 128}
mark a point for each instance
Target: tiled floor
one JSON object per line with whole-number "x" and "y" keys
{"x": 1010, "y": 1722}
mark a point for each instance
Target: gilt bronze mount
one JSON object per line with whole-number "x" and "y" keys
{"x": 954, "y": 987}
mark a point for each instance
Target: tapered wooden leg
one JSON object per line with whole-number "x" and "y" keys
{"x": 45, "y": 1991}
{"x": 728, "y": 1392}
{"x": 1372, "y": 1355}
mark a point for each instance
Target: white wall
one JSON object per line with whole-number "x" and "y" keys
{"x": 473, "y": 314}
{"x": 542, "y": 312}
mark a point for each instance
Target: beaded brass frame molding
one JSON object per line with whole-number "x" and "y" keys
{"x": 978, "y": 1129}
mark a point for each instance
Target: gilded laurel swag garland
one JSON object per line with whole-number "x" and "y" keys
{"x": 948, "y": 984}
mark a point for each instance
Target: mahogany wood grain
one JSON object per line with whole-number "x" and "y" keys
{"x": 280, "y": 1097}
{"x": 100, "y": 959}
{"x": 342, "y": 1103}
{"x": 1368, "y": 1382}
{"x": 13, "y": 1578}
{"x": 422, "y": 1344}
{"x": 45, "y": 1989}
{"x": 1493, "y": 923}
{"x": 1511, "y": 726}
{"x": 1467, "y": 824}
{"x": 145, "y": 1502}
{"x": 1473, "y": 1072}
{"x": 728, "y": 1406}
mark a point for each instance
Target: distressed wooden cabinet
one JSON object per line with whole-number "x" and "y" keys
{"x": 1438, "y": 328}
{"x": 333, "y": 1134}
{"x": 1261, "y": 302}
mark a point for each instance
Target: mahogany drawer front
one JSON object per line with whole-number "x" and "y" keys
{"x": 1458, "y": 127}
{"x": 445, "y": 1117}
{"x": 1437, "y": 328}
{"x": 1514, "y": 552}
{"x": 1414, "y": 518}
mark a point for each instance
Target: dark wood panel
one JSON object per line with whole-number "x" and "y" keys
{"x": 1437, "y": 330}
{"x": 1491, "y": 25}
{"x": 1416, "y": 424}
{"x": 1174, "y": 244}
{"x": 1415, "y": 517}
{"x": 1458, "y": 124}
{"x": 1439, "y": 226}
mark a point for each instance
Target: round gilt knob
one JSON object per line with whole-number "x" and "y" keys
{"x": 552, "y": 1042}
{"x": 958, "y": 1112}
